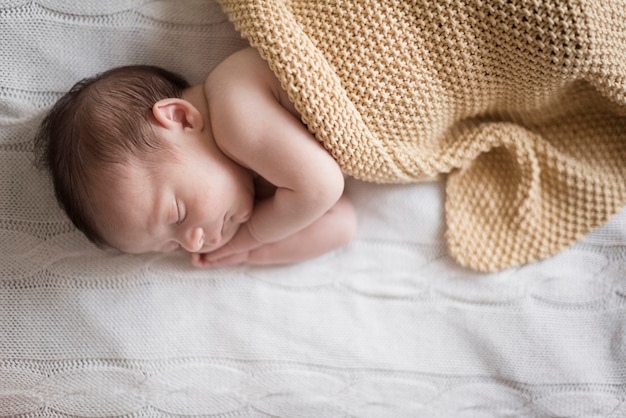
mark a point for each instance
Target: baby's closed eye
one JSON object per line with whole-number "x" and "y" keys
{"x": 181, "y": 213}
{"x": 177, "y": 213}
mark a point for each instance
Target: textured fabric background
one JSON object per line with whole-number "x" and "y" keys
{"x": 389, "y": 326}
{"x": 522, "y": 102}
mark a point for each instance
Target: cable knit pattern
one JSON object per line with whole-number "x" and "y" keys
{"x": 521, "y": 101}
{"x": 389, "y": 326}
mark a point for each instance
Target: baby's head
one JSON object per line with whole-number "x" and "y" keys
{"x": 95, "y": 129}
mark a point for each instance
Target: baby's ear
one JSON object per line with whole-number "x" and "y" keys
{"x": 174, "y": 113}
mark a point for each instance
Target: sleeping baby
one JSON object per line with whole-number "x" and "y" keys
{"x": 142, "y": 162}
{"x": 519, "y": 106}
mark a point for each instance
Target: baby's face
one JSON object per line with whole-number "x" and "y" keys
{"x": 196, "y": 201}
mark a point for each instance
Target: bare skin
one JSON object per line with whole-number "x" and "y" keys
{"x": 249, "y": 183}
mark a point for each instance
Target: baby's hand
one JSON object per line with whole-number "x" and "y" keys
{"x": 236, "y": 251}
{"x": 202, "y": 260}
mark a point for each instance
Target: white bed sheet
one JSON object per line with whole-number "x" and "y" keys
{"x": 388, "y": 326}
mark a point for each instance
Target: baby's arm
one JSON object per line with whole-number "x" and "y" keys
{"x": 253, "y": 127}
{"x": 330, "y": 231}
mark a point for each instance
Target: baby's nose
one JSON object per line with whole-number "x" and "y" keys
{"x": 193, "y": 240}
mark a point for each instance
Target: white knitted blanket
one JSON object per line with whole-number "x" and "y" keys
{"x": 389, "y": 326}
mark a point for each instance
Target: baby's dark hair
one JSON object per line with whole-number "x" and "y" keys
{"x": 96, "y": 128}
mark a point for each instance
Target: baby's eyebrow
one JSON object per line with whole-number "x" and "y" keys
{"x": 154, "y": 221}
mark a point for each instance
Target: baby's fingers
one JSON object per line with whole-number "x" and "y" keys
{"x": 209, "y": 260}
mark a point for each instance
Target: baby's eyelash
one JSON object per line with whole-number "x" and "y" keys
{"x": 181, "y": 217}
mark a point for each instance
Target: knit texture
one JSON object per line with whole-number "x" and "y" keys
{"x": 387, "y": 326}
{"x": 520, "y": 102}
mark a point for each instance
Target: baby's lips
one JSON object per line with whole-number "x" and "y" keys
{"x": 196, "y": 259}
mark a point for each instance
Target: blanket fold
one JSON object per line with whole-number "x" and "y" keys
{"x": 520, "y": 103}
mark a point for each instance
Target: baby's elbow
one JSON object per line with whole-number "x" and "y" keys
{"x": 347, "y": 221}
{"x": 320, "y": 189}
{"x": 333, "y": 186}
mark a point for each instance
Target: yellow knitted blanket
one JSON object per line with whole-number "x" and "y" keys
{"x": 520, "y": 102}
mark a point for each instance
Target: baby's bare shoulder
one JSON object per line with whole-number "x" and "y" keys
{"x": 242, "y": 95}
{"x": 242, "y": 70}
